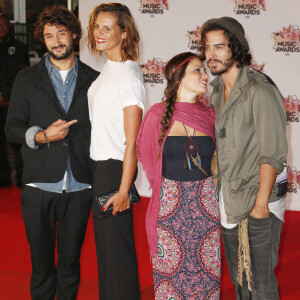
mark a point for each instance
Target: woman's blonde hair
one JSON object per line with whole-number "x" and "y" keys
{"x": 129, "y": 47}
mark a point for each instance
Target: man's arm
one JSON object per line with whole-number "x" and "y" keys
{"x": 267, "y": 177}
{"x": 270, "y": 124}
{"x": 58, "y": 130}
{"x": 132, "y": 121}
{"x": 18, "y": 111}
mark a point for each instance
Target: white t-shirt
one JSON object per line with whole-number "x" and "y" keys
{"x": 120, "y": 84}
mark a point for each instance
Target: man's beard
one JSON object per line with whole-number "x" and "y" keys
{"x": 225, "y": 66}
{"x": 62, "y": 55}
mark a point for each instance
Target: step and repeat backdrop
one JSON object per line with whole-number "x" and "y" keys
{"x": 168, "y": 27}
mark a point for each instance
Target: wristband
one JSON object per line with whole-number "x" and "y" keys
{"x": 46, "y": 139}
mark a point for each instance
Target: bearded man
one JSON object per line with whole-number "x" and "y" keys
{"x": 48, "y": 115}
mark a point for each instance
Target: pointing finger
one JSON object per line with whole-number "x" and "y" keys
{"x": 68, "y": 124}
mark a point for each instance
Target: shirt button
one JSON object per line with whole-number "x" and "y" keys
{"x": 67, "y": 82}
{"x": 232, "y": 191}
{"x": 64, "y": 96}
{"x": 65, "y": 144}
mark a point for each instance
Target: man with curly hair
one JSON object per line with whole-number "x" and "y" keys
{"x": 48, "y": 115}
{"x": 251, "y": 151}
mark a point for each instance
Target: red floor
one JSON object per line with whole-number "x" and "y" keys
{"x": 15, "y": 256}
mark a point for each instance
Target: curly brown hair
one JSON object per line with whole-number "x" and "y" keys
{"x": 130, "y": 44}
{"x": 58, "y": 15}
{"x": 239, "y": 54}
{"x": 170, "y": 93}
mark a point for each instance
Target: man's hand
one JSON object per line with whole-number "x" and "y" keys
{"x": 55, "y": 132}
{"x": 3, "y": 102}
{"x": 260, "y": 212}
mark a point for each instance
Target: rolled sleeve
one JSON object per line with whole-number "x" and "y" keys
{"x": 270, "y": 126}
{"x": 133, "y": 94}
{"x": 30, "y": 134}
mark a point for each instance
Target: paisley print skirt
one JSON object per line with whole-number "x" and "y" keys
{"x": 187, "y": 265}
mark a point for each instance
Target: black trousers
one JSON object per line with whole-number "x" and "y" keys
{"x": 116, "y": 255}
{"x": 5, "y": 169}
{"x": 49, "y": 216}
{"x": 4, "y": 165}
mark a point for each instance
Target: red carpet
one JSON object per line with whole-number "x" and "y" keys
{"x": 15, "y": 265}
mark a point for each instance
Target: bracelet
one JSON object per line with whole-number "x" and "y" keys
{"x": 46, "y": 139}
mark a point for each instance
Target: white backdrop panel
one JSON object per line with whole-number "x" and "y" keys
{"x": 168, "y": 27}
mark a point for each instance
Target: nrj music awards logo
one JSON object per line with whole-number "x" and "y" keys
{"x": 153, "y": 71}
{"x": 292, "y": 108}
{"x": 256, "y": 66}
{"x": 293, "y": 179}
{"x": 249, "y": 7}
{"x": 194, "y": 38}
{"x": 154, "y": 7}
{"x": 287, "y": 39}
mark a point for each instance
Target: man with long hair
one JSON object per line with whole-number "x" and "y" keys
{"x": 251, "y": 151}
{"x": 48, "y": 115}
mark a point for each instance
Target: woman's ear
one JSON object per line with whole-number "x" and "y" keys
{"x": 124, "y": 35}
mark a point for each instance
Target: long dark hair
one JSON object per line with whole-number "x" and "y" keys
{"x": 239, "y": 54}
{"x": 170, "y": 93}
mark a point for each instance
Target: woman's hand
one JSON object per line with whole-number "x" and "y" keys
{"x": 120, "y": 202}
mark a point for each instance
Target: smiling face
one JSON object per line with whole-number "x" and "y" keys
{"x": 194, "y": 80}
{"x": 59, "y": 41}
{"x": 108, "y": 35}
{"x": 217, "y": 52}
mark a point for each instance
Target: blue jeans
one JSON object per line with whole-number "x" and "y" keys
{"x": 264, "y": 238}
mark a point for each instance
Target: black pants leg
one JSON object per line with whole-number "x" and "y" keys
{"x": 116, "y": 255}
{"x": 117, "y": 264}
{"x": 43, "y": 213}
{"x": 72, "y": 216}
{"x": 5, "y": 170}
{"x": 18, "y": 163}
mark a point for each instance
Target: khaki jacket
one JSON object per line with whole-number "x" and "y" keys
{"x": 250, "y": 130}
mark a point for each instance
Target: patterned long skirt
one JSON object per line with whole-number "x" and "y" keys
{"x": 188, "y": 263}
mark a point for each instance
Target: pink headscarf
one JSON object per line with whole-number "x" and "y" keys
{"x": 195, "y": 115}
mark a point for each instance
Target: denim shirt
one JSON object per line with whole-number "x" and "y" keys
{"x": 64, "y": 92}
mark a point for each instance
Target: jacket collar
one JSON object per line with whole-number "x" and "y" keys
{"x": 242, "y": 79}
{"x": 51, "y": 67}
